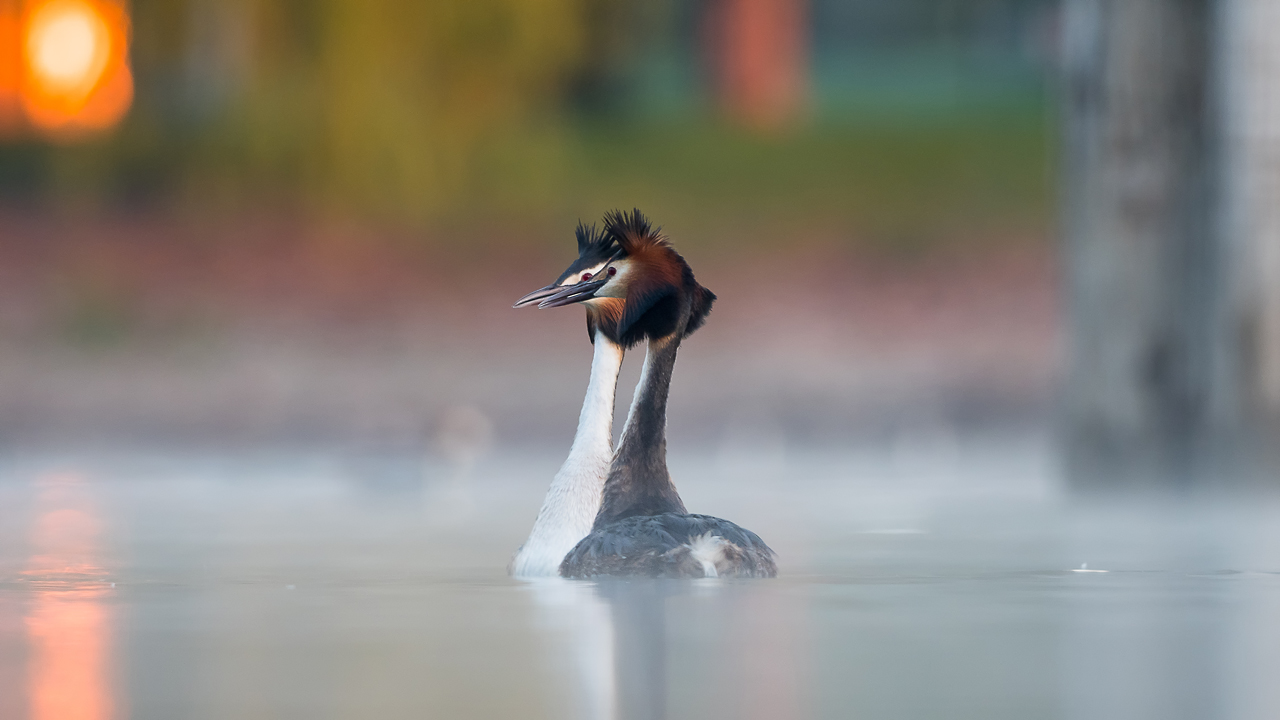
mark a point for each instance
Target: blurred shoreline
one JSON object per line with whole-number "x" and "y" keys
{"x": 142, "y": 329}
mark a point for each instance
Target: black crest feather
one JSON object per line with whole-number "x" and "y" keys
{"x": 590, "y": 238}
{"x": 631, "y": 228}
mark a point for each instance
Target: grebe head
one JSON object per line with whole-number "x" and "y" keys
{"x": 595, "y": 250}
{"x": 634, "y": 284}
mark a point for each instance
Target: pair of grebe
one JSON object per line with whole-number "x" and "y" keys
{"x": 618, "y": 513}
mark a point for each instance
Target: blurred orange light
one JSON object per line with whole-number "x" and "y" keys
{"x": 75, "y": 70}
{"x": 67, "y": 47}
{"x": 69, "y": 621}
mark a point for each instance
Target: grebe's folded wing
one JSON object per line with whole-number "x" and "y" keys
{"x": 670, "y": 545}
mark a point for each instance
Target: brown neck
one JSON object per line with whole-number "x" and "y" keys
{"x": 638, "y": 482}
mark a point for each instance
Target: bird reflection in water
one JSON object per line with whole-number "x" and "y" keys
{"x": 68, "y": 622}
{"x": 630, "y": 656}
{"x": 638, "y": 614}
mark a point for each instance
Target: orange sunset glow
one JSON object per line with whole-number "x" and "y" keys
{"x": 68, "y": 623}
{"x": 65, "y": 69}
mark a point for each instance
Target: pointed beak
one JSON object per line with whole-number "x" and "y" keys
{"x": 573, "y": 293}
{"x": 539, "y": 294}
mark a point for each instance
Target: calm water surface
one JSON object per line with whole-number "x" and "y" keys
{"x": 939, "y": 581}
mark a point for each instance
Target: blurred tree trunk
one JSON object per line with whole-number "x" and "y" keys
{"x": 1171, "y": 229}
{"x": 1142, "y": 267}
{"x": 1251, "y": 218}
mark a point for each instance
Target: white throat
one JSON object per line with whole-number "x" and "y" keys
{"x": 573, "y": 499}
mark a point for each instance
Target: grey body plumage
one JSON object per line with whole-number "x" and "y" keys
{"x": 666, "y": 545}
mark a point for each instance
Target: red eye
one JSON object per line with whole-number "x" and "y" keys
{"x": 612, "y": 271}
{"x": 586, "y": 277}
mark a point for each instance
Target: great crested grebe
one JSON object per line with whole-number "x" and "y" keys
{"x": 574, "y": 496}
{"x": 646, "y": 291}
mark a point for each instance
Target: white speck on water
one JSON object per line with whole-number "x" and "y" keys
{"x": 290, "y": 587}
{"x": 1084, "y": 567}
{"x": 113, "y": 584}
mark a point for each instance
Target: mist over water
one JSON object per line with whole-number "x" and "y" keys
{"x": 942, "y": 578}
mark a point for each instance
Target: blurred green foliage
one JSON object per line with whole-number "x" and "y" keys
{"x": 495, "y": 114}
{"x": 376, "y": 104}
{"x": 901, "y": 185}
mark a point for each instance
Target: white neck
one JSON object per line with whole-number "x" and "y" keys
{"x": 574, "y": 496}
